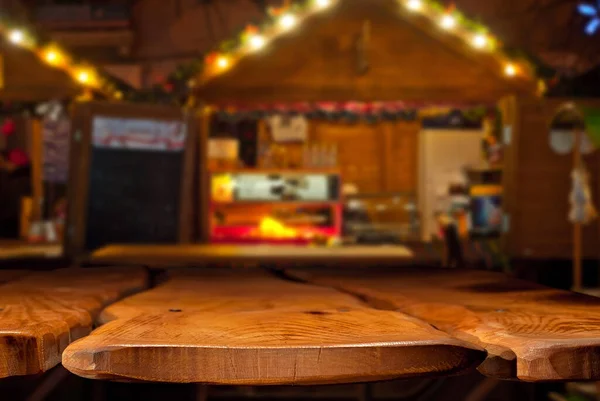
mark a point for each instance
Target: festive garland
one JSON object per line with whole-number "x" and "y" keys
{"x": 51, "y": 53}
{"x": 255, "y": 36}
{"x": 370, "y": 113}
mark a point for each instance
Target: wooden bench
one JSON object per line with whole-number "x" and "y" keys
{"x": 41, "y": 313}
{"x": 247, "y": 327}
{"x": 531, "y": 332}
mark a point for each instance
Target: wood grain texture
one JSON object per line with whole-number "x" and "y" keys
{"x": 531, "y": 332}
{"x": 254, "y": 329}
{"x": 209, "y": 255}
{"x": 41, "y": 313}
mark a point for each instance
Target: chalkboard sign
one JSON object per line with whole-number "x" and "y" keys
{"x": 131, "y": 180}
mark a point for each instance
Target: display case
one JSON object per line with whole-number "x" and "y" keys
{"x": 275, "y": 207}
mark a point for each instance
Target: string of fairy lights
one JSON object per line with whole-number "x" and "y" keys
{"x": 51, "y": 54}
{"x": 286, "y": 19}
{"x": 254, "y": 39}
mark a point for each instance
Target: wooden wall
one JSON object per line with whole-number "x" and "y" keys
{"x": 377, "y": 158}
{"x": 538, "y": 184}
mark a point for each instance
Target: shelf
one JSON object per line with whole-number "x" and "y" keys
{"x": 281, "y": 203}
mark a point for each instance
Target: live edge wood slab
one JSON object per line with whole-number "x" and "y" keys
{"x": 531, "y": 332}
{"x": 41, "y": 313}
{"x": 247, "y": 327}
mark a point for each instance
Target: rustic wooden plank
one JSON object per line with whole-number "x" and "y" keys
{"x": 208, "y": 255}
{"x": 41, "y": 313}
{"x": 29, "y": 251}
{"x": 531, "y": 332}
{"x": 246, "y": 327}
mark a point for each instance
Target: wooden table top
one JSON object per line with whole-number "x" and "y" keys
{"x": 531, "y": 332}
{"x": 203, "y": 255}
{"x": 41, "y": 313}
{"x": 20, "y": 250}
{"x": 248, "y": 327}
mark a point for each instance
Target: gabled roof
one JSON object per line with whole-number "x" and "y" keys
{"x": 25, "y": 78}
{"x": 375, "y": 50}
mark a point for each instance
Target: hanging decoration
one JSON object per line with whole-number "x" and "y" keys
{"x": 582, "y": 209}
{"x": 562, "y": 141}
{"x": 18, "y": 157}
{"x": 8, "y": 127}
{"x": 592, "y": 11}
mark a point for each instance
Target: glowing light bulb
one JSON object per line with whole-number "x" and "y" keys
{"x": 53, "y": 57}
{"x": 510, "y": 70}
{"x": 414, "y": 5}
{"x": 288, "y": 21}
{"x": 448, "y": 22}
{"x": 480, "y": 41}
{"x": 16, "y": 36}
{"x": 323, "y": 3}
{"x": 223, "y": 62}
{"x": 83, "y": 77}
{"x": 257, "y": 42}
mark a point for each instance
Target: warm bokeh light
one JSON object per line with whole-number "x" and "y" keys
{"x": 223, "y": 62}
{"x": 53, "y": 57}
{"x": 323, "y": 3}
{"x": 414, "y": 5}
{"x": 448, "y": 22}
{"x": 271, "y": 228}
{"x": 85, "y": 76}
{"x": 288, "y": 21}
{"x": 257, "y": 42}
{"x": 480, "y": 41}
{"x": 510, "y": 70}
{"x": 16, "y": 36}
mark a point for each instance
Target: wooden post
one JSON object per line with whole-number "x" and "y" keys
{"x": 204, "y": 176}
{"x": 37, "y": 179}
{"x": 577, "y": 225}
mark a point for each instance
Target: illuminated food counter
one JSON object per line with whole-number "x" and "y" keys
{"x": 275, "y": 207}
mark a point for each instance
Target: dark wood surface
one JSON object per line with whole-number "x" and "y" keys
{"x": 41, "y": 313}
{"x": 531, "y": 332}
{"x": 10, "y": 275}
{"x": 203, "y": 255}
{"x": 247, "y": 327}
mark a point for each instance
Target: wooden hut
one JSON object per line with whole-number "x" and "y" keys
{"x": 376, "y": 51}
{"x": 34, "y": 72}
{"x": 26, "y": 78}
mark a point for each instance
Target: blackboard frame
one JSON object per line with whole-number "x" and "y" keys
{"x": 83, "y": 115}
